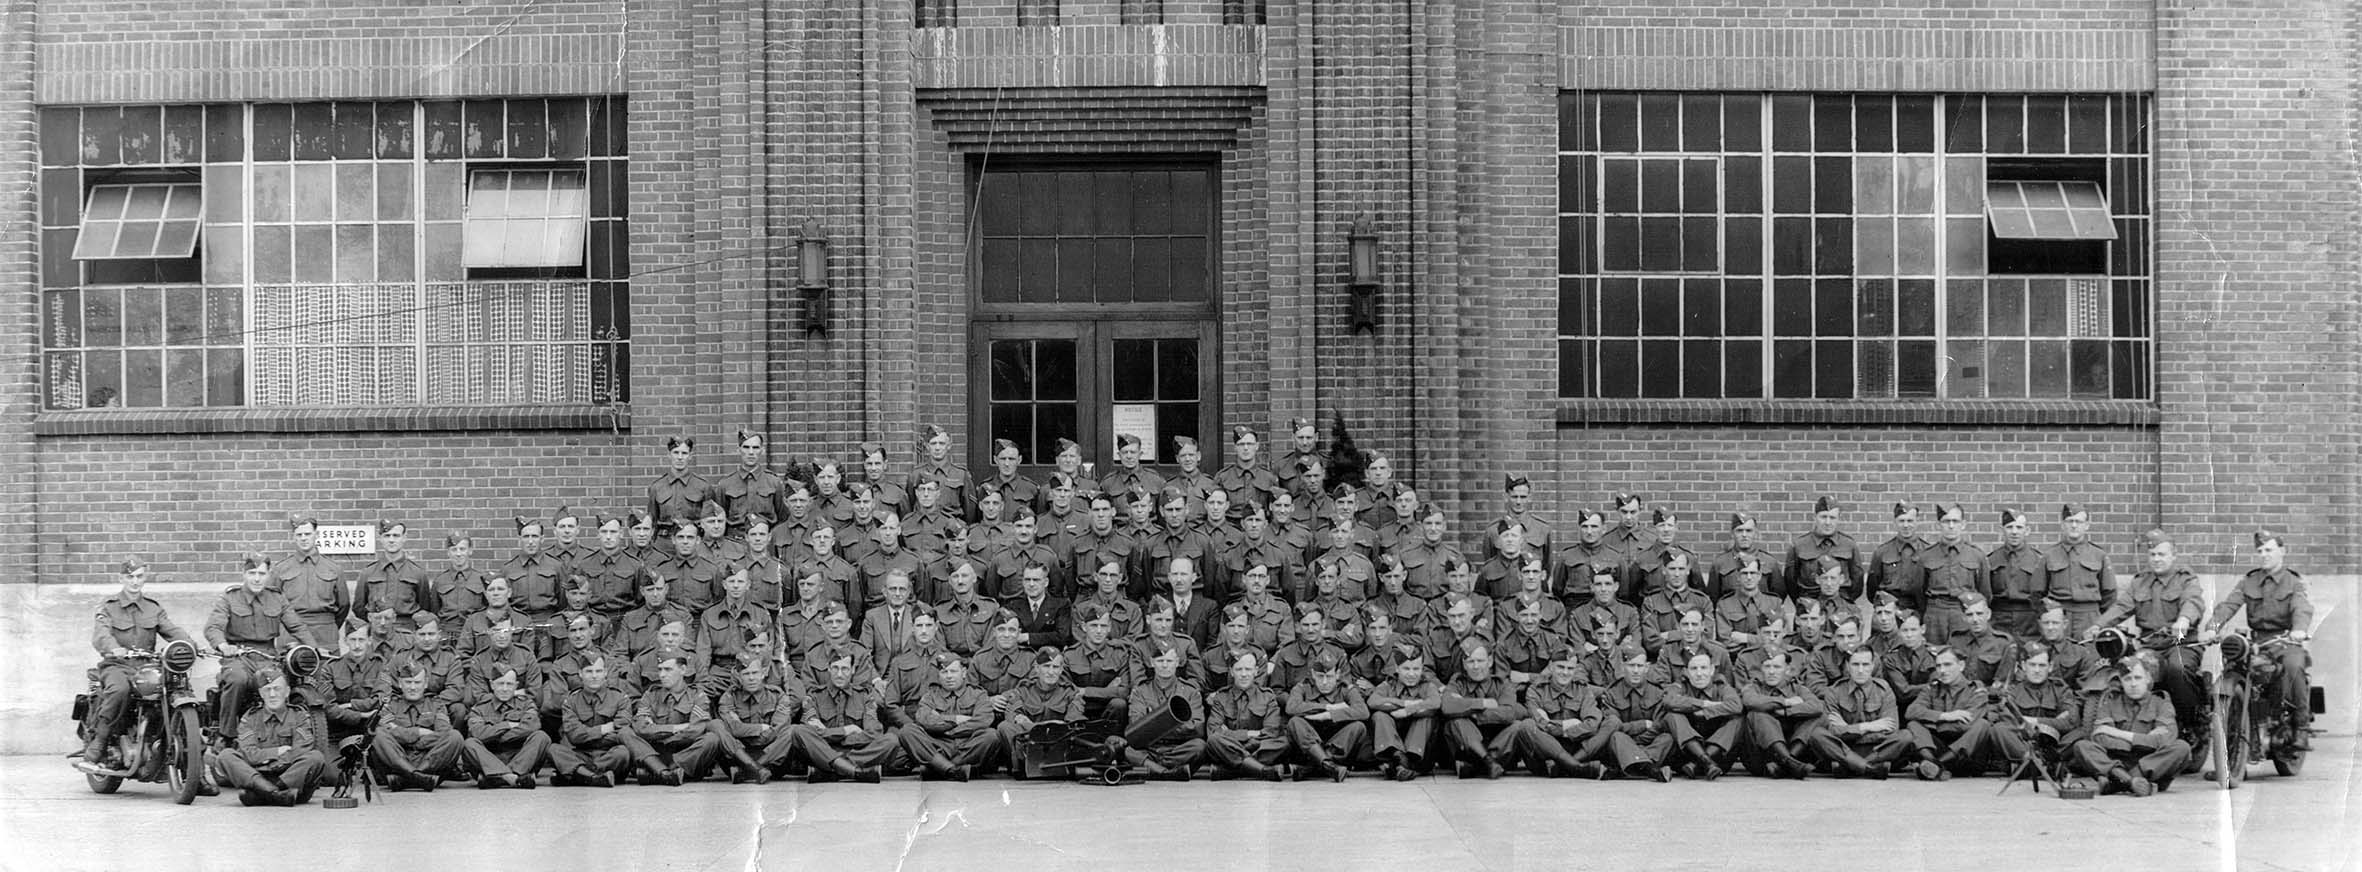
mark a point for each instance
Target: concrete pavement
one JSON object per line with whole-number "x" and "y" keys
{"x": 49, "y": 821}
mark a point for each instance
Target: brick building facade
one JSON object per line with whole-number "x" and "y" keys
{"x": 1140, "y": 217}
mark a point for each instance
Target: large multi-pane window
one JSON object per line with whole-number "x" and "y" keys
{"x": 1841, "y": 246}
{"x": 353, "y": 253}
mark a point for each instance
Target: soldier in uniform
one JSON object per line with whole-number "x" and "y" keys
{"x": 951, "y": 734}
{"x": 2034, "y": 714}
{"x": 1908, "y": 665}
{"x": 350, "y": 688}
{"x": 1005, "y": 565}
{"x": 1702, "y": 712}
{"x": 1168, "y": 756}
{"x": 643, "y": 545}
{"x": 1720, "y": 569}
{"x": 1254, "y": 545}
{"x": 2075, "y": 572}
{"x": 1423, "y": 559}
{"x": 842, "y": 733}
{"x": 1247, "y": 479}
{"x": 2159, "y": 608}
{"x": 2277, "y": 606}
{"x": 1602, "y": 620}
{"x": 2073, "y": 662}
{"x": 1940, "y": 719}
{"x": 1824, "y": 539}
{"x": 1403, "y": 711}
{"x": 1098, "y": 665}
{"x": 127, "y": 622}
{"x": 312, "y": 586}
{"x": 1304, "y": 446}
{"x": 276, "y": 757}
{"x": 1752, "y": 620}
{"x": 2014, "y": 576}
{"x": 1951, "y": 566}
{"x": 1566, "y": 725}
{"x": 1861, "y": 716}
{"x": 1000, "y": 666}
{"x": 1984, "y": 649}
{"x": 249, "y": 619}
{"x": 1661, "y": 612}
{"x": 1294, "y": 659}
{"x": 596, "y": 725}
{"x": 967, "y": 618}
{"x": 415, "y": 742}
{"x": 1631, "y": 535}
{"x": 2131, "y": 739}
{"x": 1186, "y": 476}
{"x": 1044, "y": 697}
{"x": 1578, "y": 561}
{"x": 725, "y": 628}
{"x": 505, "y": 744}
{"x": 675, "y": 721}
{"x": 1519, "y": 491}
{"x": 1129, "y": 476}
{"x": 1016, "y": 491}
{"x": 635, "y": 633}
{"x": 1178, "y": 541}
{"x": 532, "y": 575}
{"x": 1782, "y": 715}
{"x": 836, "y": 625}
{"x": 1327, "y": 719}
{"x": 459, "y": 588}
{"x": 1159, "y": 628}
{"x": 1636, "y": 702}
{"x": 1270, "y": 622}
{"x": 767, "y": 578}
{"x": 1101, "y": 542}
{"x": 841, "y": 579}
{"x": 1651, "y": 564}
{"x": 1107, "y": 592}
{"x": 1479, "y": 707}
{"x": 873, "y": 470}
{"x": 754, "y": 724}
{"x": 1895, "y": 567}
{"x": 1503, "y": 575}
{"x": 679, "y": 491}
{"x": 613, "y": 572}
{"x": 1246, "y": 727}
{"x": 394, "y": 582}
{"x": 752, "y": 487}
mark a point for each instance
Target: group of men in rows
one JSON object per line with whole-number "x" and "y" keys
{"x": 967, "y": 614}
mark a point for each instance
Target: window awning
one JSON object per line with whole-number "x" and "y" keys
{"x": 2048, "y": 210}
{"x": 141, "y": 221}
{"x": 526, "y": 218}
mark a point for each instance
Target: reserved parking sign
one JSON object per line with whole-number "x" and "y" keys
{"x": 347, "y": 539}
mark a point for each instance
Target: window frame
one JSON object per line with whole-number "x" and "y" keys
{"x": 1594, "y": 342}
{"x": 578, "y": 268}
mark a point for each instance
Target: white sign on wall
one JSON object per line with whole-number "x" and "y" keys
{"x": 347, "y": 538}
{"x": 1138, "y": 419}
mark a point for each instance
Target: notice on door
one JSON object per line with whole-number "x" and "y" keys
{"x": 1138, "y": 419}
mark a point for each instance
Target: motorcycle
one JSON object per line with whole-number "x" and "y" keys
{"x": 2247, "y": 728}
{"x": 162, "y": 738}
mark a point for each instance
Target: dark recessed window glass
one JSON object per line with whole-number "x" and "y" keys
{"x": 1875, "y": 307}
{"x": 2046, "y": 125}
{"x": 1792, "y": 246}
{"x": 1833, "y": 123}
{"x": 1701, "y": 307}
{"x": 1619, "y": 307}
{"x": 1660, "y": 369}
{"x": 1701, "y": 369}
{"x": 1619, "y": 368}
{"x": 1698, "y": 192}
{"x": 1915, "y": 368}
{"x": 1742, "y": 123}
{"x": 1698, "y": 244}
{"x": 1742, "y": 184}
{"x": 1660, "y": 186}
{"x": 2087, "y": 124}
{"x": 1660, "y": 307}
{"x": 1915, "y": 307}
{"x": 2005, "y": 125}
{"x": 1742, "y": 246}
{"x": 1792, "y": 369}
{"x": 1833, "y": 246}
{"x": 1792, "y": 307}
{"x": 1660, "y": 122}
{"x": 1833, "y": 313}
{"x": 1792, "y": 185}
{"x": 1833, "y": 370}
{"x": 1619, "y": 123}
{"x": 1701, "y": 122}
{"x": 1873, "y": 124}
{"x": 1833, "y": 186}
{"x": 1964, "y": 124}
{"x": 1742, "y": 369}
{"x": 1791, "y": 122}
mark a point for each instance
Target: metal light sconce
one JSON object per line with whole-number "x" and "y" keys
{"x": 1361, "y": 310}
{"x": 812, "y": 303}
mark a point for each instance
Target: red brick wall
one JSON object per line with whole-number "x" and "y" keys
{"x": 2257, "y": 267}
{"x": 193, "y": 504}
{"x": 20, "y": 331}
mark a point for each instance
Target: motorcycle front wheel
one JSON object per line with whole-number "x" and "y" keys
{"x": 184, "y": 755}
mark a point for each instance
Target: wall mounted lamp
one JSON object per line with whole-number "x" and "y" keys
{"x": 1361, "y": 311}
{"x": 812, "y": 303}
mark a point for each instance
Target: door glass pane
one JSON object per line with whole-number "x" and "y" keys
{"x": 1133, "y": 367}
{"x": 1011, "y": 365}
{"x": 1054, "y": 374}
{"x": 1052, "y": 422}
{"x": 1176, "y": 369}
